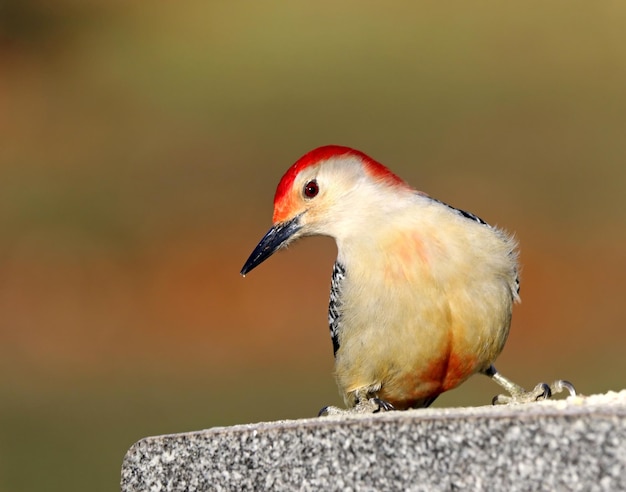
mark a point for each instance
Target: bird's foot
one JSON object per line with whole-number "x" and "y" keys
{"x": 517, "y": 394}
{"x": 542, "y": 391}
{"x": 366, "y": 405}
{"x": 382, "y": 405}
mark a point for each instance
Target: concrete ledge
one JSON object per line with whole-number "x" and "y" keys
{"x": 573, "y": 444}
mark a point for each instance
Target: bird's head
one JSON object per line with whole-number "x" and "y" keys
{"x": 327, "y": 192}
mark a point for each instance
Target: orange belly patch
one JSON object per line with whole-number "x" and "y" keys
{"x": 418, "y": 388}
{"x": 452, "y": 370}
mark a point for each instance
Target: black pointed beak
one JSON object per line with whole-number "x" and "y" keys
{"x": 277, "y": 236}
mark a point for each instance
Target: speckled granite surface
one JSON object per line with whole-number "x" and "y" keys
{"x": 573, "y": 444}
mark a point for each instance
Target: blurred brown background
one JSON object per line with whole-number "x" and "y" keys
{"x": 140, "y": 146}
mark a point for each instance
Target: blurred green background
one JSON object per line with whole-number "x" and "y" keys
{"x": 140, "y": 146}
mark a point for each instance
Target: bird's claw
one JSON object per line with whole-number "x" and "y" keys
{"x": 543, "y": 391}
{"x": 367, "y": 405}
{"x": 383, "y": 406}
{"x": 373, "y": 405}
{"x": 561, "y": 385}
{"x": 330, "y": 410}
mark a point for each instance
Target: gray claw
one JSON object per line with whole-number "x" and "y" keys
{"x": 383, "y": 405}
{"x": 331, "y": 410}
{"x": 543, "y": 391}
{"x": 562, "y": 384}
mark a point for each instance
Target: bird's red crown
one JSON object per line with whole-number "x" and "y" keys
{"x": 315, "y": 156}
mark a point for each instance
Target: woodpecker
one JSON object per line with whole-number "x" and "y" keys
{"x": 421, "y": 292}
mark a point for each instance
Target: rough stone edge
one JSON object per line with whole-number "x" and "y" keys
{"x": 610, "y": 403}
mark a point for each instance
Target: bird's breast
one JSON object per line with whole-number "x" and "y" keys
{"x": 418, "y": 315}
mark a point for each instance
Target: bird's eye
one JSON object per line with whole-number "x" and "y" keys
{"x": 311, "y": 189}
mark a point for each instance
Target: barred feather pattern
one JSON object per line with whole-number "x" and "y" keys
{"x": 334, "y": 314}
